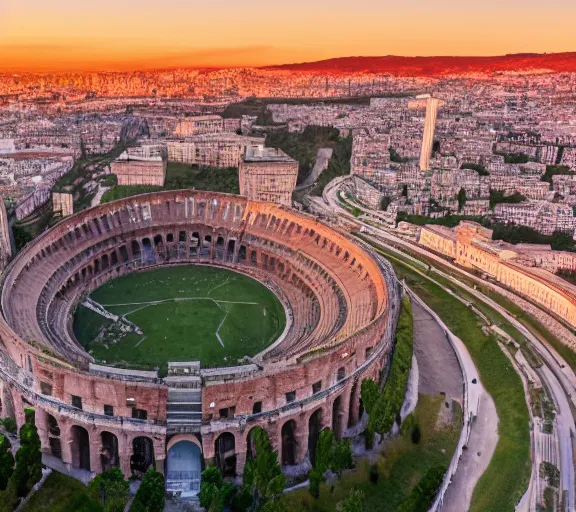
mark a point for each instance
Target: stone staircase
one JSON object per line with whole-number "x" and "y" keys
{"x": 184, "y": 406}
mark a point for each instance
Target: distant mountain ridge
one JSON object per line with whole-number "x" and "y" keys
{"x": 433, "y": 66}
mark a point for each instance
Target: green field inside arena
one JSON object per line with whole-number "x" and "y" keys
{"x": 184, "y": 313}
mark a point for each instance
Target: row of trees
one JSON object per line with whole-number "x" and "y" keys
{"x": 384, "y": 407}
{"x": 22, "y": 472}
{"x": 263, "y": 482}
{"x": 112, "y": 491}
{"x": 263, "y": 478}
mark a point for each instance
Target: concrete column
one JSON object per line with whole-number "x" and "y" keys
{"x": 95, "y": 451}
{"x": 301, "y": 435}
{"x": 344, "y": 410}
{"x": 18, "y": 409}
{"x": 41, "y": 419}
{"x": 7, "y": 402}
{"x": 124, "y": 454}
{"x": 160, "y": 454}
{"x": 66, "y": 444}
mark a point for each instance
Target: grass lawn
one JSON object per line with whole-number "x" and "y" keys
{"x": 401, "y": 465}
{"x": 529, "y": 321}
{"x": 506, "y": 478}
{"x": 245, "y": 314}
{"x": 62, "y": 493}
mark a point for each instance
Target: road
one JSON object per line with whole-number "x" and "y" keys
{"x": 322, "y": 158}
{"x": 558, "y": 375}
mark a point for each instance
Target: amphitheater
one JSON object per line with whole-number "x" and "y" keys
{"x": 341, "y": 302}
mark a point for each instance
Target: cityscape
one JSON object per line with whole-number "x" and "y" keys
{"x": 272, "y": 277}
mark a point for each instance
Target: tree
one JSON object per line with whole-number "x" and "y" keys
{"x": 28, "y": 460}
{"x": 151, "y": 492}
{"x": 352, "y": 502}
{"x": 423, "y": 494}
{"x": 330, "y": 454}
{"x": 324, "y": 448}
{"x": 369, "y": 393}
{"x": 209, "y": 486}
{"x": 263, "y": 473}
{"x": 111, "y": 489}
{"x": 461, "y": 199}
{"x": 10, "y": 425}
{"x": 6, "y": 462}
{"x": 341, "y": 457}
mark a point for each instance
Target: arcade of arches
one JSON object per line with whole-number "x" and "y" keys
{"x": 95, "y": 448}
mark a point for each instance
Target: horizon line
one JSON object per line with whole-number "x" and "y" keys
{"x": 123, "y": 67}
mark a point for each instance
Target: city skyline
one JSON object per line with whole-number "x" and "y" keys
{"x": 65, "y": 36}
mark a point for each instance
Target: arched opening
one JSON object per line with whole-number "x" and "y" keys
{"x": 230, "y": 250}
{"x": 314, "y": 428}
{"x": 113, "y": 258}
{"x": 337, "y": 417}
{"x": 96, "y": 266}
{"x": 80, "y": 448}
{"x": 53, "y": 428}
{"x": 206, "y": 243}
{"x": 289, "y": 443}
{"x": 184, "y": 468}
{"x": 242, "y": 254}
{"x": 142, "y": 456}
{"x": 194, "y": 242}
{"x": 124, "y": 253}
{"x": 220, "y": 248}
{"x": 105, "y": 262}
{"x": 251, "y": 441}
{"x": 136, "y": 252}
{"x": 54, "y": 437}
{"x": 109, "y": 452}
{"x": 253, "y": 258}
{"x": 148, "y": 253}
{"x": 225, "y": 449}
{"x": 353, "y": 409}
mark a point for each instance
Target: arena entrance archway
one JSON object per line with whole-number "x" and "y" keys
{"x": 80, "y": 448}
{"x": 225, "y": 448}
{"x": 184, "y": 468}
{"x": 143, "y": 455}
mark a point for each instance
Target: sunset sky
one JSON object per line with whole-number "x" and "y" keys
{"x": 137, "y": 34}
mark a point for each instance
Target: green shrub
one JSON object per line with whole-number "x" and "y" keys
{"x": 151, "y": 493}
{"x": 29, "y": 415}
{"x": 263, "y": 474}
{"x": 352, "y": 503}
{"x": 389, "y": 403}
{"x": 422, "y": 496}
{"x": 316, "y": 477}
{"x": 28, "y": 460}
{"x": 369, "y": 393}
{"x": 369, "y": 437}
{"x": 110, "y": 487}
{"x": 10, "y": 425}
{"x": 6, "y": 462}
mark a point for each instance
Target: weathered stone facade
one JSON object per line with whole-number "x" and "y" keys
{"x": 268, "y": 174}
{"x": 515, "y": 266}
{"x": 340, "y": 298}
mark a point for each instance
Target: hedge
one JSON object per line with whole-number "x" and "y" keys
{"x": 389, "y": 403}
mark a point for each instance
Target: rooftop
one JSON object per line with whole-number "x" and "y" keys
{"x": 260, "y": 153}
